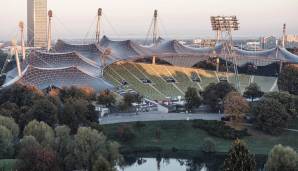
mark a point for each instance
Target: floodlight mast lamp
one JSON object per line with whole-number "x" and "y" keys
{"x": 224, "y": 25}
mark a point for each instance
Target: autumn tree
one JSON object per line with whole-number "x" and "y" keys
{"x": 239, "y": 158}
{"x": 34, "y": 157}
{"x": 235, "y": 105}
{"x": 106, "y": 98}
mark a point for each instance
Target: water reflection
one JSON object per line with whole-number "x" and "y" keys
{"x": 158, "y": 163}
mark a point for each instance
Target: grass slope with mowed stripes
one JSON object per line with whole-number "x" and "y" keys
{"x": 160, "y": 89}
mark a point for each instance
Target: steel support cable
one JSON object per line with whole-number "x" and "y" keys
{"x": 111, "y": 25}
{"x": 149, "y": 31}
{"x": 63, "y": 25}
{"x": 163, "y": 26}
{"x": 89, "y": 29}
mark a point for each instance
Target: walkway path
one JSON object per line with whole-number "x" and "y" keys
{"x": 132, "y": 117}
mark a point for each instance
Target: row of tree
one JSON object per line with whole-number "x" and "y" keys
{"x": 271, "y": 113}
{"x": 280, "y": 158}
{"x": 44, "y": 148}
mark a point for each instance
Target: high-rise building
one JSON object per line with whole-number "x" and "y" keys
{"x": 37, "y": 23}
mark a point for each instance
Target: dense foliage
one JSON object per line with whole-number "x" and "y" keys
{"x": 282, "y": 158}
{"x": 239, "y": 158}
{"x": 53, "y": 130}
{"x": 288, "y": 79}
{"x": 192, "y": 99}
{"x": 270, "y": 115}
{"x": 219, "y": 129}
{"x": 235, "y": 105}
{"x": 214, "y": 94}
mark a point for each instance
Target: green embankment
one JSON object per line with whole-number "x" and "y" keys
{"x": 182, "y": 136}
{"x": 8, "y": 164}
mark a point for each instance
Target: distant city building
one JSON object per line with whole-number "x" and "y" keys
{"x": 37, "y": 23}
{"x": 291, "y": 38}
{"x": 291, "y": 41}
{"x": 253, "y": 46}
{"x": 268, "y": 42}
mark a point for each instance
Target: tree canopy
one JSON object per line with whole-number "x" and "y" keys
{"x": 253, "y": 91}
{"x": 282, "y": 158}
{"x": 214, "y": 94}
{"x": 271, "y": 116}
{"x": 239, "y": 158}
{"x": 288, "y": 79}
{"x": 192, "y": 99}
{"x": 235, "y": 105}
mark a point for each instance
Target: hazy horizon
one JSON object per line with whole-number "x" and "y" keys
{"x": 180, "y": 19}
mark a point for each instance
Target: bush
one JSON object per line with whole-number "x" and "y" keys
{"x": 139, "y": 125}
{"x": 271, "y": 116}
{"x": 219, "y": 129}
{"x": 208, "y": 145}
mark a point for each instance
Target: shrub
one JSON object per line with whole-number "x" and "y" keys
{"x": 208, "y": 145}
{"x": 219, "y": 129}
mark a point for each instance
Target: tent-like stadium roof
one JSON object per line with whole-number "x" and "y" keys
{"x": 80, "y": 64}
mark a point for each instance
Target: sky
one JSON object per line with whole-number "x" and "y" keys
{"x": 178, "y": 18}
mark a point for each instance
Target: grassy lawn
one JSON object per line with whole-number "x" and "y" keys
{"x": 181, "y": 135}
{"x": 7, "y": 164}
{"x": 293, "y": 124}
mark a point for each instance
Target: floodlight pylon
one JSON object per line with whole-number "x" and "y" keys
{"x": 224, "y": 25}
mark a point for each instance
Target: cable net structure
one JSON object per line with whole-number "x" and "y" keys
{"x": 80, "y": 65}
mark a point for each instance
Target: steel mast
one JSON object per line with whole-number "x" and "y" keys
{"x": 99, "y": 14}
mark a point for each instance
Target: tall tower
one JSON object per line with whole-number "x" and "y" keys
{"x": 50, "y": 15}
{"x": 284, "y": 33}
{"x": 155, "y": 31}
{"x": 99, "y": 13}
{"x": 37, "y": 23}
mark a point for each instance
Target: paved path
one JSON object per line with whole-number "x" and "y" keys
{"x": 122, "y": 118}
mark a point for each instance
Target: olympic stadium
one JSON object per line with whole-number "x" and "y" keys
{"x": 160, "y": 71}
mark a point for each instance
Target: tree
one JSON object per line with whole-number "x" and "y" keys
{"x": 130, "y": 98}
{"x": 34, "y": 157}
{"x": 42, "y": 132}
{"x": 288, "y": 79}
{"x": 214, "y": 94}
{"x": 288, "y": 100}
{"x": 85, "y": 93}
{"x": 88, "y": 145}
{"x": 63, "y": 141}
{"x": 192, "y": 99}
{"x": 44, "y": 110}
{"x": 77, "y": 112}
{"x": 235, "y": 105}
{"x": 271, "y": 116}
{"x": 6, "y": 144}
{"x": 101, "y": 164}
{"x": 10, "y": 124}
{"x": 106, "y": 98}
{"x": 253, "y": 91}
{"x": 239, "y": 158}
{"x": 282, "y": 158}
